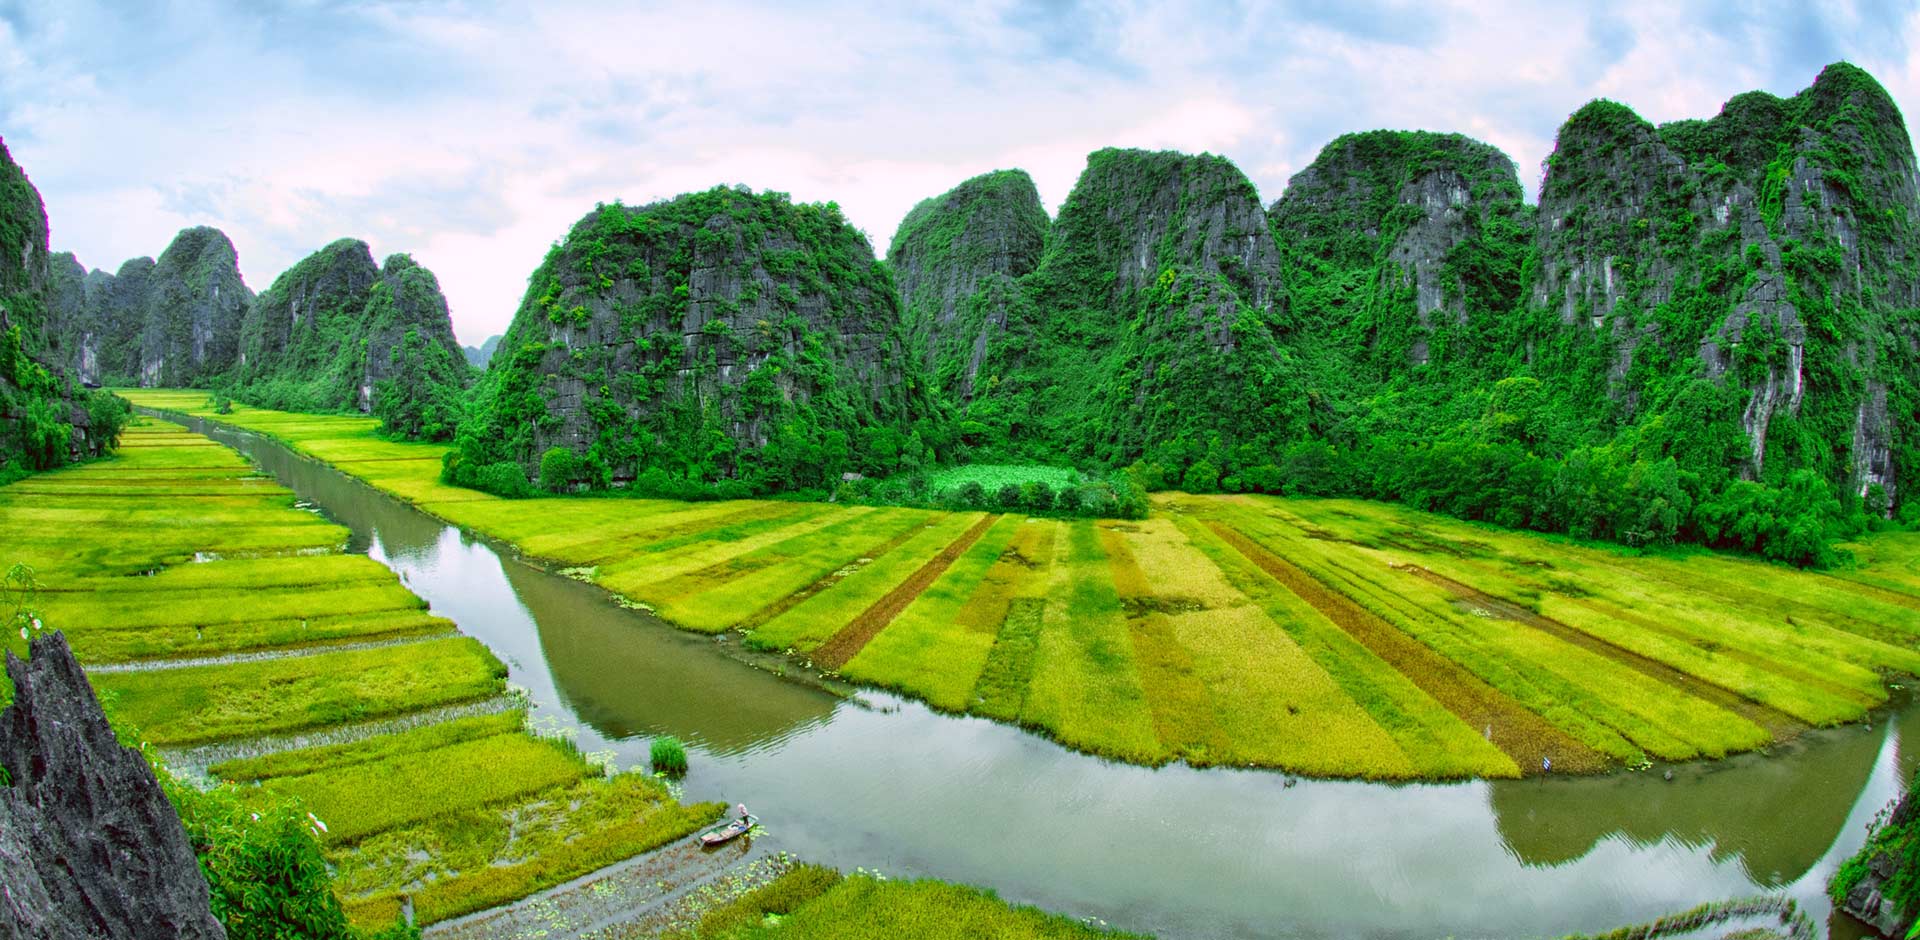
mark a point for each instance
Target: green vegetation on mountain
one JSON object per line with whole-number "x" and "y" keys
{"x": 957, "y": 259}
{"x": 336, "y": 333}
{"x": 724, "y": 342}
{"x": 46, "y": 417}
{"x": 1705, "y": 333}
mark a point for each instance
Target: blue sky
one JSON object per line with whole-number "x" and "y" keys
{"x": 473, "y": 134}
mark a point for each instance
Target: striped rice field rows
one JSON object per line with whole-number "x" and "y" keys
{"x": 1322, "y": 637}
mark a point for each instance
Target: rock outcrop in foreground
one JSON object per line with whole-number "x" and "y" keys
{"x": 89, "y": 845}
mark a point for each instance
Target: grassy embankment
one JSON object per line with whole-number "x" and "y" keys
{"x": 176, "y": 549}
{"x": 1325, "y": 637}
{"x": 811, "y": 902}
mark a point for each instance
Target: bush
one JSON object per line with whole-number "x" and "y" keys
{"x": 1037, "y": 496}
{"x": 1008, "y": 499}
{"x": 969, "y": 495}
{"x": 668, "y": 756}
{"x": 1202, "y": 477}
{"x": 560, "y": 469}
{"x": 264, "y": 869}
{"x": 1068, "y": 500}
{"x": 504, "y": 478}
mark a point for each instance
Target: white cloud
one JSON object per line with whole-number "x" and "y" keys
{"x": 473, "y": 134}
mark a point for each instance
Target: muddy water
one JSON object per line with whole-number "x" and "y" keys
{"x": 884, "y": 783}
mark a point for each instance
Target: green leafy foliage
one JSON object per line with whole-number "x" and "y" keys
{"x": 337, "y": 333}
{"x": 264, "y": 868}
{"x": 719, "y": 344}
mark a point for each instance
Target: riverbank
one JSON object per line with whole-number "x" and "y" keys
{"x": 212, "y": 611}
{"x": 1326, "y": 638}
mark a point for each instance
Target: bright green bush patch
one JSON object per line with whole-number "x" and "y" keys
{"x": 992, "y": 477}
{"x": 781, "y": 896}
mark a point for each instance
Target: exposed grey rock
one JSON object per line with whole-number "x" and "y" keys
{"x": 1633, "y": 218}
{"x": 732, "y": 309}
{"x": 1373, "y": 183}
{"x": 319, "y": 326}
{"x": 957, "y": 259}
{"x": 89, "y": 845}
{"x": 195, "y": 303}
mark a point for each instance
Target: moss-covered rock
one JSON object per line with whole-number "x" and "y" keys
{"x": 720, "y": 336}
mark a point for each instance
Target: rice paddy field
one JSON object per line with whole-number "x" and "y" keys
{"x": 1322, "y": 637}
{"x": 211, "y": 609}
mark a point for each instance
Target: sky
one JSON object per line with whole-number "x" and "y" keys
{"x": 474, "y": 134}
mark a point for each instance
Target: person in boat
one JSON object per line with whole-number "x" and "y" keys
{"x": 742, "y": 810}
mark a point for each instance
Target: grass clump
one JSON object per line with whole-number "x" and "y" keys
{"x": 781, "y": 896}
{"x": 864, "y": 906}
{"x": 668, "y": 756}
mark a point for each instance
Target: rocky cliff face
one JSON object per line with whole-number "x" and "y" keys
{"x": 1770, "y": 251}
{"x": 195, "y": 303}
{"x": 696, "y": 333}
{"x": 1149, "y": 317}
{"x": 44, "y": 415}
{"x": 1385, "y": 238}
{"x": 957, "y": 259}
{"x": 118, "y": 304}
{"x": 71, "y": 340}
{"x": 323, "y": 335}
{"x": 89, "y": 845}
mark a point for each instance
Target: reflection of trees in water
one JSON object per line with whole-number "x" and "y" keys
{"x": 626, "y": 677}
{"x": 1777, "y": 815}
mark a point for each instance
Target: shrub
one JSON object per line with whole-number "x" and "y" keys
{"x": 559, "y": 470}
{"x": 969, "y": 495}
{"x": 1008, "y": 498}
{"x": 668, "y": 756}
{"x": 1037, "y": 496}
{"x": 1202, "y": 477}
{"x": 264, "y": 869}
{"x": 504, "y": 478}
{"x": 1068, "y": 500}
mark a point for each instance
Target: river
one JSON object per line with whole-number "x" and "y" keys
{"x": 884, "y": 783}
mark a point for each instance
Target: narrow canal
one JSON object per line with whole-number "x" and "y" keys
{"x": 884, "y": 783}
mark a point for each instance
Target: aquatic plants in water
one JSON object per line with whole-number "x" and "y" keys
{"x": 668, "y": 756}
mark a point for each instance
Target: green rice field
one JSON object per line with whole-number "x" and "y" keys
{"x": 1323, "y": 637}
{"x": 172, "y": 558}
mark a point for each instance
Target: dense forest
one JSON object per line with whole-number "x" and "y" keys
{"x": 1705, "y": 332}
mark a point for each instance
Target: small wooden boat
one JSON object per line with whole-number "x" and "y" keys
{"x": 728, "y": 831}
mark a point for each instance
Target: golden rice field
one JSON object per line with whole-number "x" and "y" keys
{"x": 1323, "y": 637}
{"x": 165, "y": 561}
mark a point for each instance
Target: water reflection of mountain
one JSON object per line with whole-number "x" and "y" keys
{"x": 626, "y": 677}
{"x": 1776, "y": 814}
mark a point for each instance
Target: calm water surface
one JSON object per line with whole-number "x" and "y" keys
{"x": 884, "y": 783}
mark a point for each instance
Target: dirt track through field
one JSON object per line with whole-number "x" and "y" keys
{"x": 1777, "y": 723}
{"x": 854, "y": 637}
{"x": 1519, "y": 733}
{"x": 865, "y": 558}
